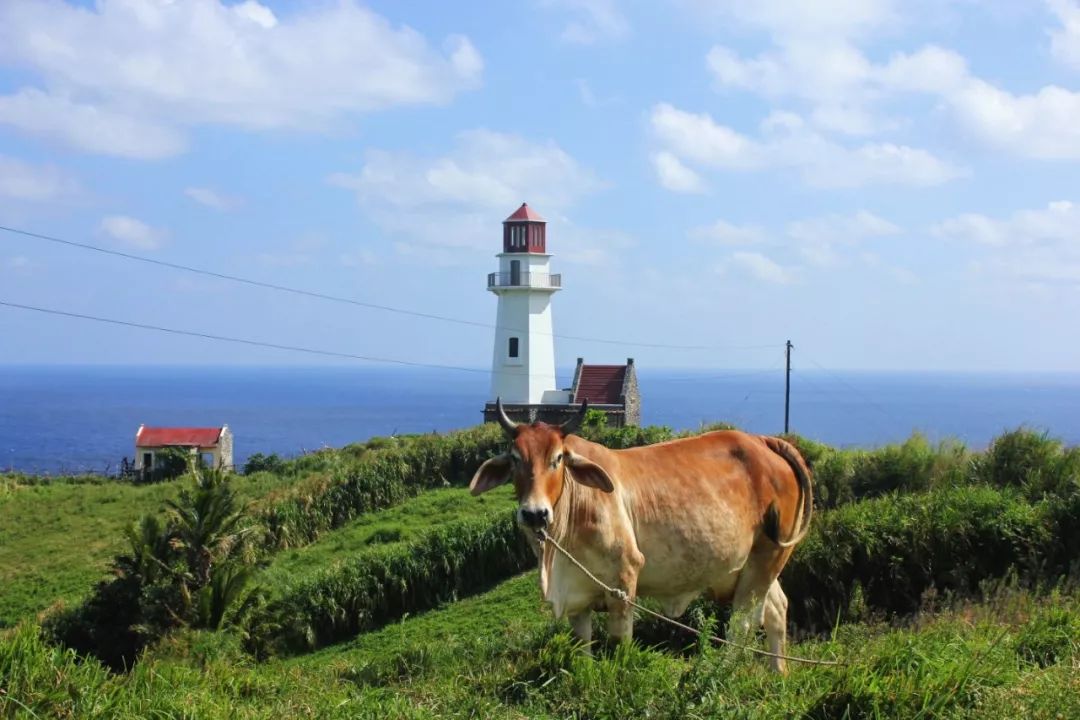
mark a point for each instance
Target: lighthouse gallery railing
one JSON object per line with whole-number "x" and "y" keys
{"x": 536, "y": 280}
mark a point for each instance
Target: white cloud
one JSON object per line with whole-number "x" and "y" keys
{"x": 697, "y": 137}
{"x": 450, "y": 200}
{"x": 212, "y": 198}
{"x": 722, "y": 232}
{"x": 589, "y": 98}
{"x": 36, "y": 183}
{"x": 818, "y": 239}
{"x": 88, "y": 127}
{"x": 814, "y": 56}
{"x": 128, "y": 79}
{"x": 132, "y": 233}
{"x": 591, "y": 21}
{"x": 358, "y": 258}
{"x": 592, "y": 247}
{"x": 1034, "y": 246}
{"x": 826, "y": 19}
{"x": 1058, "y": 223}
{"x": 762, "y": 267}
{"x": 1041, "y": 126}
{"x": 786, "y": 142}
{"x": 675, "y": 176}
{"x": 1065, "y": 40}
{"x": 486, "y": 169}
{"x": 816, "y": 62}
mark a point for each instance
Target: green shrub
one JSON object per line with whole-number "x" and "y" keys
{"x": 1032, "y": 461}
{"x": 271, "y": 463}
{"x": 595, "y": 429}
{"x": 833, "y": 478}
{"x": 365, "y": 592}
{"x": 913, "y": 466}
{"x": 190, "y": 571}
{"x": 892, "y": 550}
{"x": 384, "y": 475}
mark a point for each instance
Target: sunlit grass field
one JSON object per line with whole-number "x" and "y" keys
{"x": 943, "y": 581}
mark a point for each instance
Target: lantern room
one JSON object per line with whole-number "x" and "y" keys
{"x": 524, "y": 232}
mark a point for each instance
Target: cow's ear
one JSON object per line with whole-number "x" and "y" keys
{"x": 491, "y": 474}
{"x": 589, "y": 473}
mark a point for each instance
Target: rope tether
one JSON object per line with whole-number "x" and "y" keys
{"x": 543, "y": 536}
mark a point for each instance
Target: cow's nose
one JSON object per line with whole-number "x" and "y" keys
{"x": 535, "y": 518}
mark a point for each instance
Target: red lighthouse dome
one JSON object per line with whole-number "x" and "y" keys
{"x": 525, "y": 232}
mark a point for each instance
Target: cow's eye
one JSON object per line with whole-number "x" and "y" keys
{"x": 557, "y": 460}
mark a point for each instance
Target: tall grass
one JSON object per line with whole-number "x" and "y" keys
{"x": 384, "y": 584}
{"x": 1013, "y": 655}
{"x": 1017, "y": 500}
{"x": 364, "y": 479}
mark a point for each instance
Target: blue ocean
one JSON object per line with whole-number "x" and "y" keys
{"x": 70, "y": 418}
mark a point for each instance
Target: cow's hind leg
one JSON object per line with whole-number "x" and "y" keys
{"x": 776, "y": 605}
{"x": 751, "y": 603}
{"x": 581, "y": 624}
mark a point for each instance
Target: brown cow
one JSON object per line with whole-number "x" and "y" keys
{"x": 720, "y": 513}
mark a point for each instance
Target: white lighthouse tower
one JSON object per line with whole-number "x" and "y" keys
{"x": 523, "y": 361}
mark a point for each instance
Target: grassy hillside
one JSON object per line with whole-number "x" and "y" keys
{"x": 356, "y": 546}
{"x": 498, "y": 655}
{"x": 384, "y": 529}
{"x": 57, "y": 538}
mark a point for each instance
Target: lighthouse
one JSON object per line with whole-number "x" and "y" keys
{"x": 523, "y": 359}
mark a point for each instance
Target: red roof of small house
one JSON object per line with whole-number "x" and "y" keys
{"x": 524, "y": 213}
{"x": 600, "y": 384}
{"x": 182, "y": 437}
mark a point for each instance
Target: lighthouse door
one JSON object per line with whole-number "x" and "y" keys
{"x": 515, "y": 272}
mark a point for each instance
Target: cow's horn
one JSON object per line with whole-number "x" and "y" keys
{"x": 574, "y": 424}
{"x": 507, "y": 424}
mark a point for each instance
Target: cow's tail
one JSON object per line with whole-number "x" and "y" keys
{"x": 771, "y": 524}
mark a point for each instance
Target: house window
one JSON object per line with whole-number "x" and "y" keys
{"x": 513, "y": 347}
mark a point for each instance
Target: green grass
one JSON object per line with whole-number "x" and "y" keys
{"x": 57, "y": 539}
{"x": 397, "y": 525}
{"x": 499, "y": 655}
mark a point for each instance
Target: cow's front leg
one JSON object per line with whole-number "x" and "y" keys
{"x": 581, "y": 624}
{"x": 620, "y": 620}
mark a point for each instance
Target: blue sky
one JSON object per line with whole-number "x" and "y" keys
{"x": 892, "y": 185}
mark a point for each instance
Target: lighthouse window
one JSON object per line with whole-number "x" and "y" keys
{"x": 513, "y": 347}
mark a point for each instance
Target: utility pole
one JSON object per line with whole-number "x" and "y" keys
{"x": 787, "y": 388}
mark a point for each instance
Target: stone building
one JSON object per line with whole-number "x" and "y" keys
{"x": 610, "y": 388}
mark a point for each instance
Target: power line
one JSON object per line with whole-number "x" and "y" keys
{"x": 736, "y": 374}
{"x": 359, "y": 303}
{"x": 865, "y": 397}
{"x": 244, "y": 341}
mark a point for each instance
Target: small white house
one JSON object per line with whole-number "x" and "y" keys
{"x": 215, "y": 445}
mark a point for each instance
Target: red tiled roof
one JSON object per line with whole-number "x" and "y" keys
{"x": 600, "y": 384}
{"x": 525, "y": 213}
{"x": 183, "y": 437}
